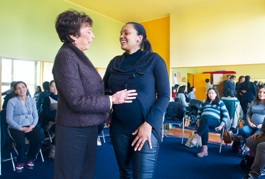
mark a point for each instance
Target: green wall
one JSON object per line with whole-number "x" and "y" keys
{"x": 28, "y": 32}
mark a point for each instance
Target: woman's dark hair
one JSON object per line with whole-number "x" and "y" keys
{"x": 257, "y": 100}
{"x": 51, "y": 82}
{"x": 39, "y": 89}
{"x": 15, "y": 87}
{"x": 69, "y": 23}
{"x": 239, "y": 79}
{"x": 182, "y": 89}
{"x": 246, "y": 83}
{"x": 145, "y": 45}
{"x": 215, "y": 101}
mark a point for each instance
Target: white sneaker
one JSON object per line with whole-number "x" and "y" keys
{"x": 98, "y": 142}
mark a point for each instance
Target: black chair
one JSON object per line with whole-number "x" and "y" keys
{"x": 175, "y": 115}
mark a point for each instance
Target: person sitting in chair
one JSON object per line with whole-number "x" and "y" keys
{"x": 256, "y": 143}
{"x": 212, "y": 114}
{"x": 49, "y": 111}
{"x": 22, "y": 118}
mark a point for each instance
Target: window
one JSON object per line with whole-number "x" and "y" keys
{"x": 33, "y": 73}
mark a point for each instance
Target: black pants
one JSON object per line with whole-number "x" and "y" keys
{"x": 75, "y": 152}
{"x": 135, "y": 164}
{"x": 35, "y": 138}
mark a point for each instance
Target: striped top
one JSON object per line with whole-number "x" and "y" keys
{"x": 214, "y": 112}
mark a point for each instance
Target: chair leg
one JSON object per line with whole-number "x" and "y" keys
{"x": 49, "y": 134}
{"x": 103, "y": 136}
{"x": 221, "y": 140}
{"x": 42, "y": 159}
{"x": 12, "y": 160}
{"x": 183, "y": 128}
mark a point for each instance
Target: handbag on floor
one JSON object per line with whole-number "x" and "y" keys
{"x": 227, "y": 137}
{"x": 188, "y": 144}
{"x": 246, "y": 162}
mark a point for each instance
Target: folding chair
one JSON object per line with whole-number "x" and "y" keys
{"x": 16, "y": 152}
{"x": 175, "y": 115}
{"x": 221, "y": 133}
{"x": 174, "y": 122}
{"x": 103, "y": 135}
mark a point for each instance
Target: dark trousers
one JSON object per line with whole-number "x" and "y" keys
{"x": 245, "y": 106}
{"x": 75, "y": 152}
{"x": 205, "y": 125}
{"x": 135, "y": 164}
{"x": 35, "y": 138}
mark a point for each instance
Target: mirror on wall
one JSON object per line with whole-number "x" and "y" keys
{"x": 194, "y": 78}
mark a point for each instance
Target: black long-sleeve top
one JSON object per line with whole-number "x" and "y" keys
{"x": 147, "y": 73}
{"x": 50, "y": 109}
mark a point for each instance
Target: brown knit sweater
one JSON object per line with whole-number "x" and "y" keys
{"x": 80, "y": 89}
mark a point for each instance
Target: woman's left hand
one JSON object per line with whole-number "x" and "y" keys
{"x": 219, "y": 128}
{"x": 29, "y": 129}
{"x": 143, "y": 133}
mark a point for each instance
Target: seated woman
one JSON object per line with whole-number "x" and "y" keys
{"x": 209, "y": 115}
{"x": 256, "y": 144}
{"x": 255, "y": 115}
{"x": 22, "y": 117}
{"x": 49, "y": 111}
{"x": 182, "y": 96}
{"x": 191, "y": 94}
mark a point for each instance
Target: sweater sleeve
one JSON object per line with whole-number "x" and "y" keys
{"x": 155, "y": 115}
{"x": 224, "y": 115}
{"x": 10, "y": 108}
{"x": 35, "y": 112}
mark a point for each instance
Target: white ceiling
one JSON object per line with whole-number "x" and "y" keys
{"x": 138, "y": 10}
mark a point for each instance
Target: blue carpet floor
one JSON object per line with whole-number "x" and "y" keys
{"x": 175, "y": 161}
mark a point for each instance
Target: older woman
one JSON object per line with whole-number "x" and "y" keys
{"x": 212, "y": 114}
{"x": 82, "y": 104}
{"x": 136, "y": 127}
{"x": 22, "y": 118}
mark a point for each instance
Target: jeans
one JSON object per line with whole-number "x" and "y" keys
{"x": 203, "y": 130}
{"x": 247, "y": 131}
{"x": 135, "y": 164}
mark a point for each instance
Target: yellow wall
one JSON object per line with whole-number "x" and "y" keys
{"x": 225, "y": 32}
{"x": 28, "y": 31}
{"x": 158, "y": 34}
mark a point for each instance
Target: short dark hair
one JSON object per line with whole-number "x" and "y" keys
{"x": 207, "y": 80}
{"x": 69, "y": 23}
{"x": 46, "y": 86}
{"x": 232, "y": 77}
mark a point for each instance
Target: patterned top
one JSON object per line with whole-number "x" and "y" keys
{"x": 207, "y": 110}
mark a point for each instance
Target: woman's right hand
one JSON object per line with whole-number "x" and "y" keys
{"x": 124, "y": 96}
{"x": 252, "y": 125}
{"x": 256, "y": 136}
{"x": 26, "y": 129}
